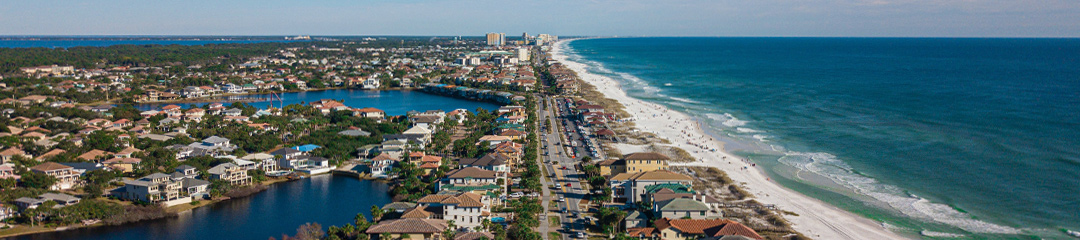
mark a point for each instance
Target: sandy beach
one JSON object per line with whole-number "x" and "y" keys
{"x": 815, "y": 218}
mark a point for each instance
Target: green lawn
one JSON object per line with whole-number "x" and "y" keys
{"x": 554, "y": 236}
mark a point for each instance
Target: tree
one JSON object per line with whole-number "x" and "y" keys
{"x": 7, "y": 183}
{"x": 95, "y": 181}
{"x": 310, "y": 231}
{"x": 376, "y": 212}
{"x": 450, "y": 230}
{"x": 610, "y": 217}
{"x": 34, "y": 179}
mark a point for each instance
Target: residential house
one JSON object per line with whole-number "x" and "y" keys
{"x": 263, "y": 161}
{"x": 408, "y": 229}
{"x": 7, "y": 154}
{"x": 212, "y": 146}
{"x": 645, "y": 161}
{"x": 681, "y": 229}
{"x": 153, "y": 188}
{"x": 370, "y": 113}
{"x": 635, "y": 219}
{"x": 382, "y": 165}
{"x": 682, "y": 208}
{"x": 631, "y": 187}
{"x": 493, "y": 140}
{"x": 469, "y": 176}
{"x": 6, "y": 171}
{"x": 66, "y": 177}
{"x": 467, "y": 210}
{"x": 123, "y": 164}
{"x": 611, "y": 166}
{"x": 60, "y": 199}
{"x": 230, "y": 172}
{"x": 491, "y": 162}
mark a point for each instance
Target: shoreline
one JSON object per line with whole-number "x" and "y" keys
{"x": 177, "y": 209}
{"x": 815, "y": 218}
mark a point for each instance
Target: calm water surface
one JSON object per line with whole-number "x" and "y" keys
{"x": 327, "y": 200}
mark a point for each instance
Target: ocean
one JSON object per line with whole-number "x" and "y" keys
{"x": 933, "y": 137}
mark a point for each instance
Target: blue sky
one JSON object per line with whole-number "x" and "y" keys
{"x": 870, "y": 18}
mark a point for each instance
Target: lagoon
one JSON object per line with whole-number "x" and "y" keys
{"x": 325, "y": 199}
{"x": 392, "y": 102}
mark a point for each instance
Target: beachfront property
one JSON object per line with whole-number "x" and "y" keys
{"x": 66, "y": 177}
{"x": 683, "y": 208}
{"x": 631, "y": 187}
{"x": 709, "y": 229}
{"x": 645, "y": 161}
{"x": 408, "y": 229}
{"x": 633, "y": 163}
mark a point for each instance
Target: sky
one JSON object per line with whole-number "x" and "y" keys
{"x": 842, "y": 18}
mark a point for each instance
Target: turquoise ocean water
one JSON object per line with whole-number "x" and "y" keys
{"x": 936, "y": 138}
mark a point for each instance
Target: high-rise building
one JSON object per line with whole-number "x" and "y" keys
{"x": 545, "y": 39}
{"x": 523, "y": 54}
{"x": 496, "y": 39}
{"x": 525, "y": 38}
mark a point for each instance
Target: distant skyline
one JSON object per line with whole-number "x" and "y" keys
{"x": 854, "y": 18}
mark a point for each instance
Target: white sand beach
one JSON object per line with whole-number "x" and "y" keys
{"x": 815, "y": 219}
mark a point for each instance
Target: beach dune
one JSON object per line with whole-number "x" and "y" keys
{"x": 815, "y": 219}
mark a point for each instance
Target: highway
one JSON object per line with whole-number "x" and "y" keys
{"x": 563, "y": 172}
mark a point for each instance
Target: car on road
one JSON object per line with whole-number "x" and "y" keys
{"x": 561, "y": 199}
{"x": 563, "y": 210}
{"x": 580, "y": 235}
{"x": 568, "y": 185}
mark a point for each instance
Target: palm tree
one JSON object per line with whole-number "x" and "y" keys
{"x": 376, "y": 212}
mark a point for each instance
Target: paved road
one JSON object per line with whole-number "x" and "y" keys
{"x": 568, "y": 180}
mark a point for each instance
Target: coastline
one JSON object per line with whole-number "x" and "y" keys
{"x": 815, "y": 218}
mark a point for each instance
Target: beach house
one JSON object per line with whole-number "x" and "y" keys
{"x": 631, "y": 187}
{"x": 710, "y": 229}
{"x": 645, "y": 161}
